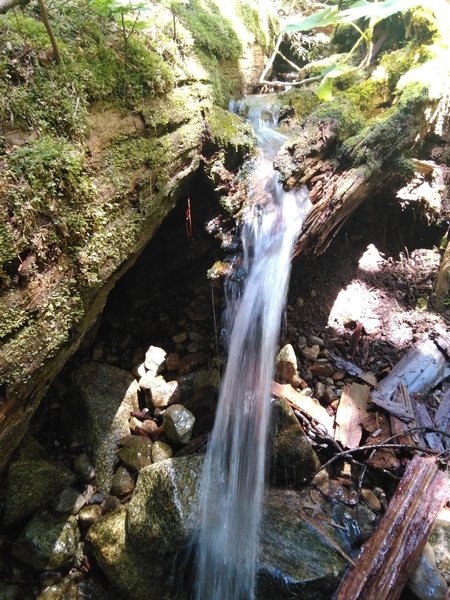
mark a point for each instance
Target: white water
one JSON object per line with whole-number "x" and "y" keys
{"x": 232, "y": 486}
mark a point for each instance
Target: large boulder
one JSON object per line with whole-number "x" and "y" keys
{"x": 100, "y": 401}
{"x": 32, "y": 481}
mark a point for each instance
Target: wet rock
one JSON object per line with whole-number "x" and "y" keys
{"x": 358, "y": 522}
{"x": 155, "y": 360}
{"x": 48, "y": 541}
{"x": 64, "y": 590}
{"x": 319, "y": 390}
{"x": 84, "y": 467}
{"x": 162, "y": 393}
{"x": 172, "y": 361}
{"x": 136, "y": 452}
{"x": 32, "y": 480}
{"x": 293, "y": 461}
{"x": 89, "y": 515}
{"x": 295, "y": 560}
{"x": 124, "y": 566}
{"x": 311, "y": 352}
{"x": 163, "y": 511}
{"x": 161, "y": 451}
{"x": 203, "y": 404}
{"x": 372, "y": 500}
{"x": 426, "y": 582}
{"x": 440, "y": 541}
{"x": 102, "y": 399}
{"x": 69, "y": 501}
{"x": 286, "y": 365}
{"x": 191, "y": 362}
{"x": 178, "y": 424}
{"x": 123, "y": 483}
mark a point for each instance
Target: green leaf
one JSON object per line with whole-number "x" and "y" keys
{"x": 375, "y": 10}
{"x": 325, "y": 90}
{"x": 320, "y": 19}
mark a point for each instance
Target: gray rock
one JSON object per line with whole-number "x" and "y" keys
{"x": 125, "y": 567}
{"x": 48, "y": 541}
{"x": 84, "y": 468}
{"x": 154, "y": 360}
{"x": 293, "y": 461}
{"x": 295, "y": 560}
{"x": 163, "y": 511}
{"x": 69, "y": 501}
{"x": 32, "y": 480}
{"x": 123, "y": 483}
{"x": 178, "y": 424}
{"x": 286, "y": 365}
{"x": 136, "y": 452}
{"x": 316, "y": 341}
{"x": 426, "y": 581}
{"x": 161, "y": 451}
{"x": 102, "y": 399}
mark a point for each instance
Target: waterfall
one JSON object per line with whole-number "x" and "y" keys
{"x": 233, "y": 478}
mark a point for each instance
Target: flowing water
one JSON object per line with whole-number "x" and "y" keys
{"x": 232, "y": 486}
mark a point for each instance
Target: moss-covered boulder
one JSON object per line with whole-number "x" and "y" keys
{"x": 32, "y": 481}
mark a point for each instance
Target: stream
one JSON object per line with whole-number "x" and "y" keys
{"x": 232, "y": 484}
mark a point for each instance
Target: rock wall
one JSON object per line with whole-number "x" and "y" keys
{"x": 127, "y": 170}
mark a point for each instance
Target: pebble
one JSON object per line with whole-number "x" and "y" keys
{"x": 301, "y": 342}
{"x": 329, "y": 395}
{"x": 286, "y": 365}
{"x": 135, "y": 423}
{"x": 319, "y": 390}
{"x": 180, "y": 338}
{"x": 83, "y": 467}
{"x": 369, "y": 378}
{"x": 161, "y": 392}
{"x": 426, "y": 582}
{"x": 172, "y": 361}
{"x": 89, "y": 515}
{"x": 316, "y": 341}
{"x": 141, "y": 370}
{"x": 178, "y": 424}
{"x": 136, "y": 452}
{"x": 69, "y": 501}
{"x": 123, "y": 483}
{"x": 191, "y": 362}
{"x": 371, "y": 499}
{"x": 321, "y": 369}
{"x": 311, "y": 352}
{"x": 155, "y": 360}
{"x": 161, "y": 451}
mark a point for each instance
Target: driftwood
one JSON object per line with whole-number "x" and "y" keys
{"x": 420, "y": 370}
{"x": 351, "y": 413}
{"x": 442, "y": 417}
{"x": 398, "y": 426}
{"x": 305, "y": 404}
{"x": 382, "y": 568}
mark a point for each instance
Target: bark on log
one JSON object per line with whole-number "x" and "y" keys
{"x": 6, "y": 5}
{"x": 386, "y": 560}
{"x": 442, "y": 289}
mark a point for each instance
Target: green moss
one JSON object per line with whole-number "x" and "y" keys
{"x": 213, "y": 34}
{"x": 345, "y": 116}
{"x": 251, "y": 19}
{"x": 227, "y": 130}
{"x": 302, "y": 100}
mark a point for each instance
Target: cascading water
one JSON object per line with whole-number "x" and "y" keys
{"x": 232, "y": 486}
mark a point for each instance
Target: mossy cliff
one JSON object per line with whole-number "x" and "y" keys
{"x": 94, "y": 153}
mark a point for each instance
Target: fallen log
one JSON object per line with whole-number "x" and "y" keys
{"x": 387, "y": 558}
{"x": 442, "y": 418}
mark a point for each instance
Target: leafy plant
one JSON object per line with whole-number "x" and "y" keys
{"x": 371, "y": 12}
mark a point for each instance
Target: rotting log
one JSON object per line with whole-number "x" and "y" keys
{"x": 342, "y": 165}
{"x": 388, "y": 557}
{"x": 442, "y": 288}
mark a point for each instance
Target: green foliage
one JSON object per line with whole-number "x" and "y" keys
{"x": 49, "y": 199}
{"x": 212, "y": 33}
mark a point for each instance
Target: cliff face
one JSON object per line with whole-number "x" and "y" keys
{"x": 95, "y": 152}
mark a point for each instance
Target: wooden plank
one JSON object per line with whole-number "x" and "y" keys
{"x": 351, "y": 413}
{"x": 306, "y": 404}
{"x": 422, "y": 368}
{"x": 382, "y": 568}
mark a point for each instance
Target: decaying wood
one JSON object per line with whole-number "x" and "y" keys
{"x": 351, "y": 413}
{"x": 433, "y": 439}
{"x": 442, "y": 417}
{"x": 382, "y": 568}
{"x": 420, "y": 370}
{"x": 442, "y": 288}
{"x": 304, "y": 403}
{"x": 398, "y": 426}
